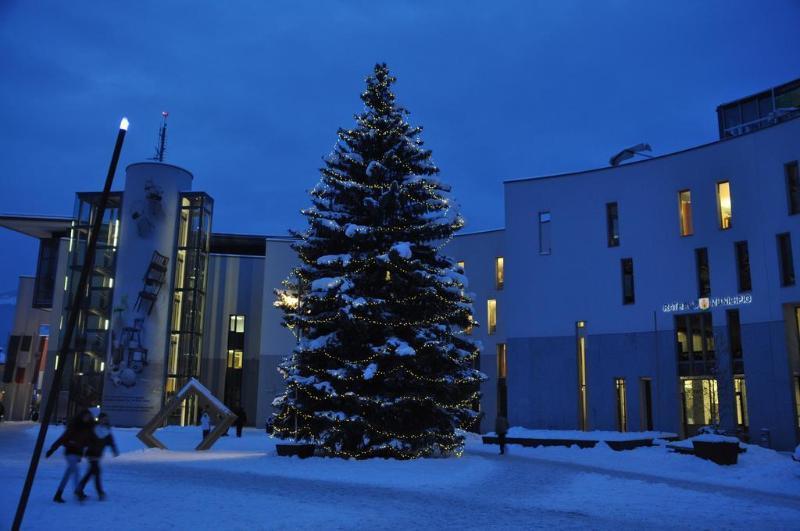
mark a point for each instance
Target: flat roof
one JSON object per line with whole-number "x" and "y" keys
{"x": 37, "y": 226}
{"x": 657, "y": 157}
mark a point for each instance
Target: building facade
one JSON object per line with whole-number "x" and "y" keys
{"x": 655, "y": 295}
{"x": 659, "y": 294}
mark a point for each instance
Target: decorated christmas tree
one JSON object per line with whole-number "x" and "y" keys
{"x": 383, "y": 365}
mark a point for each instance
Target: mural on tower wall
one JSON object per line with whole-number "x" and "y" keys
{"x": 136, "y": 359}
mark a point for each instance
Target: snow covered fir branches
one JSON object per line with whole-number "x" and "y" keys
{"x": 383, "y": 365}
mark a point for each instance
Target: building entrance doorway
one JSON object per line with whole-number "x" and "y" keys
{"x": 700, "y": 404}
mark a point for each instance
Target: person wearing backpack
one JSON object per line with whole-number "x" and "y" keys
{"x": 74, "y": 440}
{"x": 99, "y": 438}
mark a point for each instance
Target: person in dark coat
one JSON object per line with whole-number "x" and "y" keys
{"x": 241, "y": 419}
{"x": 501, "y": 428}
{"x": 99, "y": 437}
{"x": 74, "y": 440}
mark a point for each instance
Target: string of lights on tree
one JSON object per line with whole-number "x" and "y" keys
{"x": 384, "y": 363}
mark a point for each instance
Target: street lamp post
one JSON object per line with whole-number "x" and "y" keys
{"x": 63, "y": 353}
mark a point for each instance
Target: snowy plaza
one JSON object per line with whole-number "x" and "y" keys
{"x": 242, "y": 484}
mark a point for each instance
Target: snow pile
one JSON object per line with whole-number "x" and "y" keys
{"x": 577, "y": 435}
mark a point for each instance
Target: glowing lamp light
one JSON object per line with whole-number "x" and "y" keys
{"x": 124, "y": 124}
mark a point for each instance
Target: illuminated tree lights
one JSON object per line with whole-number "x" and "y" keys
{"x": 382, "y": 367}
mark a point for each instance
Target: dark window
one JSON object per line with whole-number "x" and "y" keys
{"x": 792, "y": 173}
{"x": 694, "y": 339}
{"x": 612, "y": 224}
{"x": 45, "y": 273}
{"x": 647, "y": 404}
{"x": 233, "y": 373}
{"x": 25, "y": 345}
{"x": 11, "y": 359}
{"x": 743, "y": 266}
{"x": 703, "y": 272}
{"x": 785, "y": 259}
{"x": 735, "y": 339}
{"x": 544, "y": 232}
{"x": 628, "y": 296}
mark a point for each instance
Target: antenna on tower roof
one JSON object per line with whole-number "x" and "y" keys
{"x": 161, "y": 148}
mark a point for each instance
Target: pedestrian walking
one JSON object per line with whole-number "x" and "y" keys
{"x": 99, "y": 437}
{"x": 501, "y": 428}
{"x": 74, "y": 440}
{"x": 241, "y": 420}
{"x": 205, "y": 422}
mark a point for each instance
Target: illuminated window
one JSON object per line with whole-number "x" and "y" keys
{"x": 622, "y": 404}
{"x": 583, "y": 406}
{"x": 499, "y": 273}
{"x": 685, "y": 212}
{"x": 628, "y": 296}
{"x": 236, "y": 324}
{"x": 740, "y": 390}
{"x": 491, "y": 316}
{"x": 235, "y": 359}
{"x": 460, "y": 264}
{"x": 724, "y": 206}
{"x": 743, "y": 266}
{"x": 612, "y": 224}
{"x": 544, "y": 232}
{"x": 502, "y": 360}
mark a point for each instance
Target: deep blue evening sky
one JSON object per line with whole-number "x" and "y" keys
{"x": 256, "y": 90}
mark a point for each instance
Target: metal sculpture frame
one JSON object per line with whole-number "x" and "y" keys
{"x": 192, "y": 387}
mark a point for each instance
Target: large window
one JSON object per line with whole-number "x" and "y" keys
{"x": 235, "y": 360}
{"x": 622, "y": 404}
{"x": 544, "y": 233}
{"x": 724, "y": 205}
{"x": 499, "y": 273}
{"x": 694, "y": 340}
{"x": 491, "y": 316}
{"x": 700, "y": 403}
{"x": 703, "y": 272}
{"x": 685, "y": 212}
{"x": 628, "y": 296}
{"x": 612, "y": 224}
{"x": 792, "y": 173}
{"x": 743, "y": 266}
{"x": 785, "y": 259}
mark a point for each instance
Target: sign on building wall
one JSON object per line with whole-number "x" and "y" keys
{"x": 707, "y": 303}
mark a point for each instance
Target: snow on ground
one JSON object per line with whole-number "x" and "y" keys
{"x": 575, "y": 435}
{"x": 242, "y": 484}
